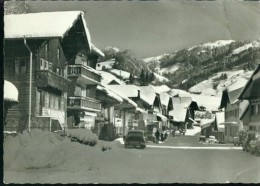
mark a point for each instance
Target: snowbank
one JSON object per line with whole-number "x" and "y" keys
{"x": 33, "y": 151}
{"x": 10, "y": 92}
{"x": 42, "y": 149}
{"x": 192, "y": 132}
{"x": 121, "y": 140}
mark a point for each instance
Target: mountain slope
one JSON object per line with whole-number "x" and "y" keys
{"x": 189, "y": 66}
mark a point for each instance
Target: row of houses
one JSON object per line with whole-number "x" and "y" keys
{"x": 239, "y": 110}
{"x": 50, "y": 61}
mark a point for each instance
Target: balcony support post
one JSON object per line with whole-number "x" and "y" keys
{"x": 30, "y": 87}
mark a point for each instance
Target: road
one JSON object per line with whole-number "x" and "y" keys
{"x": 152, "y": 165}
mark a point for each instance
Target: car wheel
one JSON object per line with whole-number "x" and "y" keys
{"x": 126, "y": 146}
{"x": 143, "y": 146}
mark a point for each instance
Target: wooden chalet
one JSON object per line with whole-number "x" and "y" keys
{"x": 251, "y": 93}
{"x": 44, "y": 49}
{"x": 183, "y": 112}
{"x": 233, "y": 109}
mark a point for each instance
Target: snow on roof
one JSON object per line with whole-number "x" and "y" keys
{"x": 179, "y": 92}
{"x": 253, "y": 44}
{"x": 206, "y": 122}
{"x": 110, "y": 93}
{"x": 108, "y": 78}
{"x": 243, "y": 107}
{"x": 10, "y": 92}
{"x": 126, "y": 90}
{"x": 147, "y": 94}
{"x": 97, "y": 51}
{"x": 179, "y": 113}
{"x": 210, "y": 102}
{"x": 235, "y": 89}
{"x": 251, "y": 88}
{"x": 162, "y": 88}
{"x": 165, "y": 97}
{"x": 120, "y": 73}
{"x": 43, "y": 24}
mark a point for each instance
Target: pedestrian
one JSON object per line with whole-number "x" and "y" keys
{"x": 157, "y": 135}
{"x": 162, "y": 136}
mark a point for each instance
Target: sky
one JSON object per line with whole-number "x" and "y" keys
{"x": 156, "y": 27}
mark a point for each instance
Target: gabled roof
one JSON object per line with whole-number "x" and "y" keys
{"x": 107, "y": 78}
{"x": 147, "y": 94}
{"x": 165, "y": 98}
{"x": 244, "y": 105}
{"x": 97, "y": 51}
{"x": 130, "y": 91}
{"x": 110, "y": 93}
{"x": 43, "y": 25}
{"x": 252, "y": 88}
{"x": 232, "y": 92}
{"x": 179, "y": 113}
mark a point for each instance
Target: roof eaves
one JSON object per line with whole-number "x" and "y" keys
{"x": 249, "y": 81}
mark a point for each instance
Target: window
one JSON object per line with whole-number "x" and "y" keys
{"x": 46, "y": 65}
{"x": 50, "y": 66}
{"x": 47, "y": 97}
{"x": 20, "y": 66}
{"x": 42, "y": 62}
{"x": 58, "y": 71}
{"x": 252, "y": 109}
{"x": 58, "y": 53}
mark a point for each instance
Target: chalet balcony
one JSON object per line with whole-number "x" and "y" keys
{"x": 83, "y": 103}
{"x": 47, "y": 78}
{"x": 85, "y": 74}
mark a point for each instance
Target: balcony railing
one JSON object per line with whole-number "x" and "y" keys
{"x": 47, "y": 78}
{"x": 83, "y": 103}
{"x": 76, "y": 70}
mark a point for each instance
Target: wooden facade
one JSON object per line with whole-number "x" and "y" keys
{"x": 49, "y": 83}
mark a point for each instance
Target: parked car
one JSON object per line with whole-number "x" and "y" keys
{"x": 212, "y": 139}
{"x": 135, "y": 138}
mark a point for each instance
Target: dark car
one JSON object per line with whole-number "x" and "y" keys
{"x": 135, "y": 138}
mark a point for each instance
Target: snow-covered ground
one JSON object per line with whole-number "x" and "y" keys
{"x": 206, "y": 87}
{"x": 253, "y": 44}
{"x": 160, "y": 78}
{"x": 154, "y": 59}
{"x": 170, "y": 69}
{"x": 193, "y": 132}
{"x": 215, "y": 44}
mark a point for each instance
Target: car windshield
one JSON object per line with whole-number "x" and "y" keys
{"x": 136, "y": 134}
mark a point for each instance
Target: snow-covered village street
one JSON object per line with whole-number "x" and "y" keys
{"x": 79, "y": 163}
{"x": 131, "y": 92}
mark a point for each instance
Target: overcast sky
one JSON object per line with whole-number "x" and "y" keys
{"x": 157, "y": 27}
